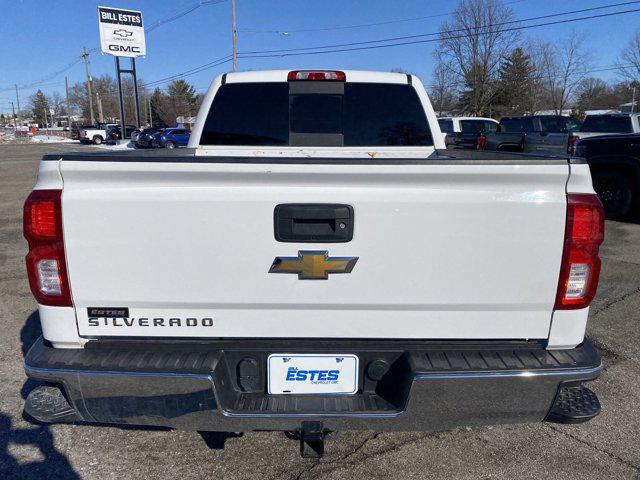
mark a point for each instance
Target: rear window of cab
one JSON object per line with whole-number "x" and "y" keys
{"x": 607, "y": 124}
{"x": 360, "y": 114}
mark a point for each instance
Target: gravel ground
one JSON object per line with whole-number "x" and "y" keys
{"x": 607, "y": 447}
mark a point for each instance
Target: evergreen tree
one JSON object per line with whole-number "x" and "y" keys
{"x": 39, "y": 107}
{"x": 515, "y": 89}
{"x": 182, "y": 97}
{"x": 157, "y": 108}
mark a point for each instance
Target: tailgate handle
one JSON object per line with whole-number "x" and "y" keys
{"x": 313, "y": 222}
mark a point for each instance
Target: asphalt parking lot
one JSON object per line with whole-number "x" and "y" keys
{"x": 607, "y": 447}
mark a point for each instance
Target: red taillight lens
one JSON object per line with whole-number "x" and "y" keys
{"x": 481, "y": 142}
{"x": 43, "y": 221}
{"x": 314, "y": 75}
{"x": 580, "y": 269}
{"x": 571, "y": 143}
{"x": 46, "y": 265}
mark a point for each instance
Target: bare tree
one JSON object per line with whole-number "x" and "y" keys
{"x": 443, "y": 89}
{"x": 471, "y": 46}
{"x": 58, "y": 105}
{"x": 629, "y": 60}
{"x": 561, "y": 67}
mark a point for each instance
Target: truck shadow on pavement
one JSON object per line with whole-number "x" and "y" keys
{"x": 49, "y": 462}
{"x": 54, "y": 464}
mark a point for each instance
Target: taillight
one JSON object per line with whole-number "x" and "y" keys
{"x": 481, "y": 142}
{"x": 571, "y": 143}
{"x": 326, "y": 75}
{"x": 580, "y": 269}
{"x": 521, "y": 143}
{"x": 46, "y": 265}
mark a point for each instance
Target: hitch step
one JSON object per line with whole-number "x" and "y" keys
{"x": 48, "y": 404}
{"x": 574, "y": 405}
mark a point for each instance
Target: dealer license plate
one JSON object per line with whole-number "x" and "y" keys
{"x": 308, "y": 374}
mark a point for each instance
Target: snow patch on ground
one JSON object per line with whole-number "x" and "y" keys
{"x": 122, "y": 146}
{"x": 50, "y": 139}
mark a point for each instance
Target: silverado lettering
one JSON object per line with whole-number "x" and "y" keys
{"x": 147, "y": 322}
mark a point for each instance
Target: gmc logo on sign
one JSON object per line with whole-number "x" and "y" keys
{"x": 123, "y": 48}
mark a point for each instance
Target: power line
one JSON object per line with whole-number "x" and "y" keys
{"x": 201, "y": 68}
{"x": 430, "y": 34}
{"x": 361, "y": 25}
{"x": 42, "y": 81}
{"x": 175, "y": 17}
{"x": 296, "y": 52}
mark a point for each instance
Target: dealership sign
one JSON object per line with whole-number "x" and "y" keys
{"x": 121, "y": 32}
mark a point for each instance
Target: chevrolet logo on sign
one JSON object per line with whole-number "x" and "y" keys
{"x": 313, "y": 265}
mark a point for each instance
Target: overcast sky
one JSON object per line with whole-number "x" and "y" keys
{"x": 39, "y": 38}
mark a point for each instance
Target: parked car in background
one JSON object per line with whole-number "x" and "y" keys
{"x": 171, "y": 138}
{"x": 95, "y": 134}
{"x": 608, "y": 124}
{"x": 135, "y": 135}
{"x": 115, "y": 133}
{"x": 532, "y": 134}
{"x": 614, "y": 161}
{"x": 463, "y": 132}
{"x": 145, "y": 137}
{"x": 75, "y": 131}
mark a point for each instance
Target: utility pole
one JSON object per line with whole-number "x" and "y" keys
{"x": 18, "y": 103}
{"x": 85, "y": 55}
{"x": 99, "y": 100}
{"x": 234, "y": 34}
{"x": 15, "y": 124}
{"x": 150, "y": 116}
{"x": 633, "y": 101}
{"x": 66, "y": 87}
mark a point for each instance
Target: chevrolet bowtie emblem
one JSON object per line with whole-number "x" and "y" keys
{"x": 313, "y": 265}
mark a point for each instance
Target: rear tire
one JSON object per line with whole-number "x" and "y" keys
{"x": 169, "y": 145}
{"x": 615, "y": 192}
{"x": 97, "y": 140}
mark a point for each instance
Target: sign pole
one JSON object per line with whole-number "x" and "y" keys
{"x": 135, "y": 91}
{"x": 123, "y": 130}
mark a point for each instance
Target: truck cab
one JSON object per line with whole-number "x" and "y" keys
{"x": 551, "y": 134}
{"x": 463, "y": 132}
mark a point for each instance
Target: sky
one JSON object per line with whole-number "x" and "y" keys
{"x": 41, "y": 39}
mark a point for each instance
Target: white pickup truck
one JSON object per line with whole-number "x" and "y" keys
{"x": 96, "y": 134}
{"x": 315, "y": 261}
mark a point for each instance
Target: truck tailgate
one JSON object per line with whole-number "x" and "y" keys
{"x": 446, "y": 249}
